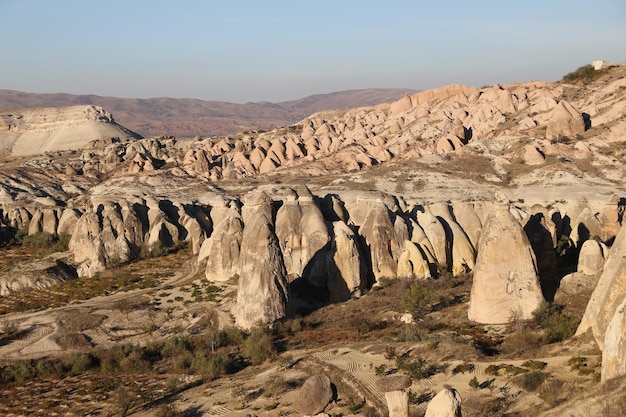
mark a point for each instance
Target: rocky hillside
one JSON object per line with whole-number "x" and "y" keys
{"x": 187, "y": 118}
{"x": 520, "y": 186}
{"x": 48, "y": 129}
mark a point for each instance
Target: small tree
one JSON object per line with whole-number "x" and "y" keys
{"x": 418, "y": 300}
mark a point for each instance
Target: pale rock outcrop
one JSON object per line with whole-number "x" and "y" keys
{"x": 591, "y": 257}
{"x": 506, "y": 283}
{"x": 302, "y": 234}
{"x": 614, "y": 350}
{"x": 222, "y": 250}
{"x": 533, "y": 156}
{"x": 418, "y": 236}
{"x": 345, "y": 266}
{"x": 469, "y": 221}
{"x": 586, "y": 226}
{"x": 411, "y": 263}
{"x": 68, "y": 221}
{"x": 314, "y": 396}
{"x": 565, "y": 121}
{"x": 38, "y": 274}
{"x": 87, "y": 246}
{"x": 380, "y": 236}
{"x": 447, "y": 403}
{"x": 262, "y": 292}
{"x": 608, "y": 294}
{"x": 436, "y": 235}
{"x": 397, "y": 397}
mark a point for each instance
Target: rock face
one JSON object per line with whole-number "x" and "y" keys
{"x": 506, "y": 283}
{"x": 35, "y": 131}
{"x": 37, "y": 274}
{"x": 565, "y": 121}
{"x": 314, "y": 396}
{"x": 262, "y": 292}
{"x": 302, "y": 234}
{"x": 614, "y": 351}
{"x": 591, "y": 257}
{"x": 447, "y": 403}
{"x": 608, "y": 294}
{"x": 345, "y": 266}
{"x": 222, "y": 250}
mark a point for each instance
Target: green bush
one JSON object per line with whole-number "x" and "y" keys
{"x": 558, "y": 326}
{"x": 534, "y": 365}
{"x": 531, "y": 381}
{"x": 585, "y": 74}
{"x": 418, "y": 300}
{"x": 259, "y": 346}
{"x": 474, "y": 383}
{"x": 416, "y": 369}
{"x": 43, "y": 240}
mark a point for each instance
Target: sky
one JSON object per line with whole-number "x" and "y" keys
{"x": 270, "y": 50}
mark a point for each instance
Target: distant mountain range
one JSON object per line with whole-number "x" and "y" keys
{"x": 186, "y": 117}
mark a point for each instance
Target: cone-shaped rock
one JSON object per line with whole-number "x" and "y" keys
{"x": 505, "y": 282}
{"x": 262, "y": 290}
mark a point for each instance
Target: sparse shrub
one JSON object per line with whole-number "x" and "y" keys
{"x": 168, "y": 410}
{"x": 79, "y": 362}
{"x": 580, "y": 364}
{"x": 155, "y": 250}
{"x": 9, "y": 328}
{"x": 474, "y": 383}
{"x": 416, "y": 369}
{"x": 380, "y": 369}
{"x": 558, "y": 325}
{"x": 418, "y": 300}
{"x": 463, "y": 367}
{"x": 49, "y": 241}
{"x": 173, "y": 385}
{"x": 585, "y": 74}
{"x": 259, "y": 346}
{"x": 534, "y": 365}
{"x": 531, "y": 380}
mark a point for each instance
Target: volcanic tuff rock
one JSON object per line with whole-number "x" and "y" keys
{"x": 385, "y": 200}
{"x": 315, "y": 395}
{"x": 262, "y": 292}
{"x": 447, "y": 403}
{"x": 505, "y": 282}
{"x": 608, "y": 294}
{"x": 35, "y": 131}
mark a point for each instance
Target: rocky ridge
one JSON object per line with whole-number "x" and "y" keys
{"x": 400, "y": 190}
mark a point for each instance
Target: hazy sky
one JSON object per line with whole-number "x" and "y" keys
{"x": 239, "y": 51}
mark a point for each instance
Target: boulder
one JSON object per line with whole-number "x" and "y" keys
{"x": 447, "y": 403}
{"x": 396, "y": 395}
{"x": 506, "y": 284}
{"x": 315, "y": 395}
{"x": 591, "y": 257}
{"x": 565, "y": 121}
{"x": 533, "y": 156}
